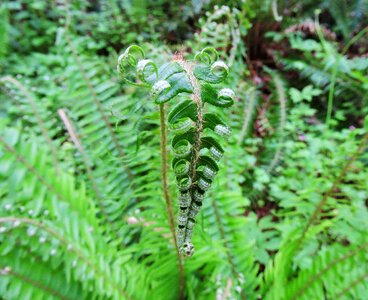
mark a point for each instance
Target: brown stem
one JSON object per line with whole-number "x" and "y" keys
{"x": 282, "y": 99}
{"x": 86, "y": 161}
{"x": 168, "y": 200}
{"x": 248, "y": 109}
{"x": 74, "y": 137}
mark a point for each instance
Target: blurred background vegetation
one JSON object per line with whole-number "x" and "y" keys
{"x": 81, "y": 209}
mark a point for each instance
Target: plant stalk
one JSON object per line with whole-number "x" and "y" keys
{"x": 248, "y": 109}
{"x": 168, "y": 200}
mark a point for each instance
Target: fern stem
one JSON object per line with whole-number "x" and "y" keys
{"x": 86, "y": 161}
{"x": 75, "y": 139}
{"x": 36, "y": 284}
{"x": 196, "y": 96}
{"x": 275, "y": 12}
{"x": 331, "y": 94}
{"x": 335, "y": 184}
{"x": 248, "y": 109}
{"x": 66, "y": 243}
{"x": 168, "y": 200}
{"x": 331, "y": 91}
{"x": 235, "y": 33}
{"x": 354, "y": 39}
{"x": 36, "y": 112}
{"x": 282, "y": 100}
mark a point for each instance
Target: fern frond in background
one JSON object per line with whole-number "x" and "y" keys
{"x": 4, "y": 38}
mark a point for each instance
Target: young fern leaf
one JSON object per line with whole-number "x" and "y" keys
{"x": 195, "y": 147}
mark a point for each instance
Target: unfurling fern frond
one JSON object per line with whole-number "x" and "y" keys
{"x": 195, "y": 146}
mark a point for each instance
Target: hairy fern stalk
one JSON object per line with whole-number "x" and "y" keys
{"x": 195, "y": 144}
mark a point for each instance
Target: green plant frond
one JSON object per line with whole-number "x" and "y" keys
{"x": 331, "y": 269}
{"x": 227, "y": 243}
{"x": 276, "y": 274}
{"x": 34, "y": 165}
{"x": 101, "y": 139}
{"x": 280, "y": 132}
{"x": 248, "y": 106}
{"x": 221, "y": 28}
{"x": 41, "y": 120}
{"x": 32, "y": 278}
{"x": 69, "y": 226}
{"x": 194, "y": 172}
{"x": 4, "y": 34}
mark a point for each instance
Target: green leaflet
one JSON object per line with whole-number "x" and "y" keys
{"x": 182, "y": 126}
{"x": 185, "y": 109}
{"x": 215, "y": 73}
{"x": 196, "y": 157}
{"x": 182, "y": 148}
{"x": 214, "y": 122}
{"x": 189, "y": 135}
{"x": 165, "y": 82}
{"x": 208, "y": 55}
{"x": 178, "y": 84}
{"x": 209, "y": 142}
{"x": 220, "y": 99}
{"x": 208, "y": 161}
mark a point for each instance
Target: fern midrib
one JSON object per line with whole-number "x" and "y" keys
{"x": 282, "y": 101}
{"x": 74, "y": 136}
{"x": 196, "y": 97}
{"x": 248, "y": 109}
{"x": 31, "y": 169}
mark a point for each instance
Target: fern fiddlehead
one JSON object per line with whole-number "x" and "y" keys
{"x": 195, "y": 145}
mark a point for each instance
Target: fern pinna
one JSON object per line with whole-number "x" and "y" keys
{"x": 195, "y": 147}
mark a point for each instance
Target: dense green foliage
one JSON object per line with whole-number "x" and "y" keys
{"x": 93, "y": 205}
